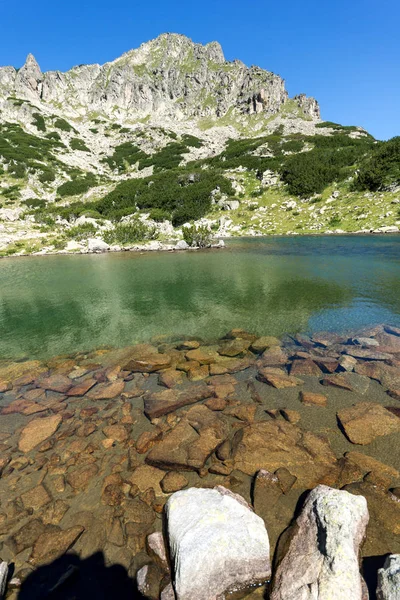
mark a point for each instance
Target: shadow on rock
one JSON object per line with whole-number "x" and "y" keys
{"x": 370, "y": 567}
{"x": 70, "y": 577}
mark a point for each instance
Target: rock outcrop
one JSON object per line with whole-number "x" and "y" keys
{"x": 389, "y": 579}
{"x": 169, "y": 75}
{"x": 321, "y": 558}
{"x": 217, "y": 544}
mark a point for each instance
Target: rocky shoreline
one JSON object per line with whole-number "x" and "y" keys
{"x": 103, "y": 452}
{"x": 97, "y": 246}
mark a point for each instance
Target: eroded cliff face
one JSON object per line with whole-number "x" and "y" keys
{"x": 169, "y": 76}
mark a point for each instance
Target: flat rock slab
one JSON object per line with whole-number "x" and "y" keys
{"x": 106, "y": 391}
{"x": 191, "y": 441}
{"x": 217, "y": 544}
{"x": 231, "y": 348}
{"x": 352, "y": 382}
{"x": 273, "y": 444}
{"x": 322, "y": 560}
{"x": 312, "y": 399}
{"x": 205, "y": 355}
{"x": 264, "y": 342}
{"x": 161, "y": 403}
{"x": 52, "y": 544}
{"x": 56, "y": 383}
{"x": 37, "y": 431}
{"x": 277, "y": 378}
{"x": 366, "y": 421}
{"x": 148, "y": 363}
{"x": 389, "y": 579}
{"x": 80, "y": 389}
{"x": 304, "y": 367}
{"x": 367, "y": 354}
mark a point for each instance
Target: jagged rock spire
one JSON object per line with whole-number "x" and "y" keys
{"x": 29, "y": 78}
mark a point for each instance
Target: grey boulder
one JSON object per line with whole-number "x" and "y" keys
{"x": 218, "y": 545}
{"x": 321, "y": 561}
{"x": 389, "y": 579}
{"x": 97, "y": 245}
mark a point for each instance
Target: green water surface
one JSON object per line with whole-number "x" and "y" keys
{"x": 60, "y": 304}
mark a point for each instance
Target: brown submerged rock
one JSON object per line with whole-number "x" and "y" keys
{"x": 236, "y": 347}
{"x": 173, "y": 482}
{"x": 305, "y": 367}
{"x": 53, "y": 544}
{"x": 161, "y": 403}
{"x": 271, "y": 445}
{"x": 82, "y": 388}
{"x": 277, "y": 378}
{"x": 191, "y": 442}
{"x": 203, "y": 355}
{"x": 117, "y": 433}
{"x": 36, "y": 497}
{"x": 37, "y": 431}
{"x": 26, "y": 536}
{"x": 106, "y": 391}
{"x": 80, "y": 478}
{"x": 264, "y": 342}
{"x": 170, "y": 378}
{"x": 56, "y": 383}
{"x": 311, "y": 399}
{"x": 148, "y": 363}
{"x": 366, "y": 421}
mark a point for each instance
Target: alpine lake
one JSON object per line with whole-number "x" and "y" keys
{"x": 127, "y": 376}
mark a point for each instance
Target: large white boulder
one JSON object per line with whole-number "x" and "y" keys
{"x": 97, "y": 245}
{"x": 389, "y": 579}
{"x": 217, "y": 544}
{"x": 322, "y": 560}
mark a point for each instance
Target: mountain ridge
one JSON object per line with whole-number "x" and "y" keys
{"x": 170, "y": 75}
{"x": 170, "y": 133}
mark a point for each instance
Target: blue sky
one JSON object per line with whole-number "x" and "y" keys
{"x": 345, "y": 53}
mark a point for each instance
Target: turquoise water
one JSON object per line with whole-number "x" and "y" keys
{"x": 60, "y": 304}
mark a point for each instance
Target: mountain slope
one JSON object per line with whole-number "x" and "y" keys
{"x": 172, "y": 132}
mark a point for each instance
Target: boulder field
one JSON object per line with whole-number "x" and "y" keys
{"x": 249, "y": 466}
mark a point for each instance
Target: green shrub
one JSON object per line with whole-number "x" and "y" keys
{"x": 47, "y": 176}
{"x": 159, "y": 215}
{"x": 191, "y": 141}
{"x": 53, "y": 135}
{"x": 39, "y": 122}
{"x": 77, "y": 186}
{"x": 197, "y": 236}
{"x": 130, "y": 232}
{"x": 382, "y": 168}
{"x": 183, "y": 193}
{"x": 44, "y": 218}
{"x": 17, "y": 170}
{"x": 94, "y": 130}
{"x": 81, "y": 232}
{"x": 63, "y": 125}
{"x": 125, "y": 155}
{"x": 91, "y": 214}
{"x": 78, "y": 144}
{"x": 22, "y": 151}
{"x": 34, "y": 203}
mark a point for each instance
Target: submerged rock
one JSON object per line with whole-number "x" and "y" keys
{"x": 273, "y": 444}
{"x": 37, "y": 431}
{"x": 191, "y": 442}
{"x": 321, "y": 560}
{"x": 217, "y": 544}
{"x": 366, "y": 421}
{"x": 389, "y": 579}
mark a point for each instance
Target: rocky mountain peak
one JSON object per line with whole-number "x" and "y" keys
{"x": 29, "y": 79}
{"x": 170, "y": 77}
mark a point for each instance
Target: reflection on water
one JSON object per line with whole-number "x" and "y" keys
{"x": 56, "y": 305}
